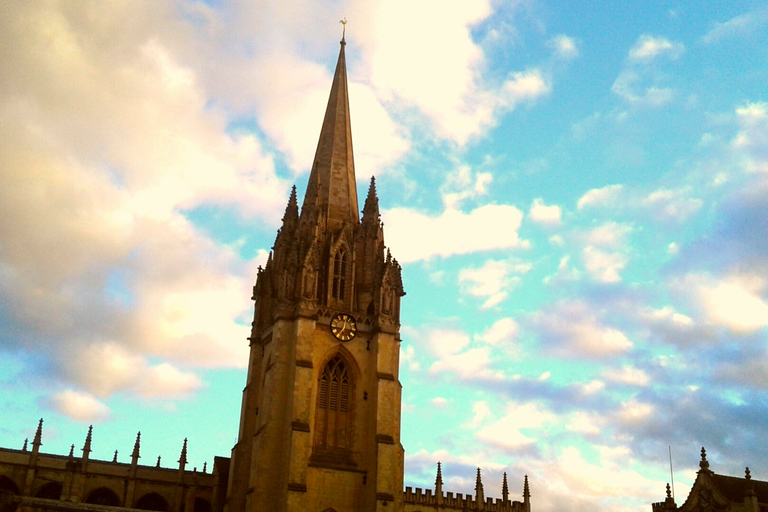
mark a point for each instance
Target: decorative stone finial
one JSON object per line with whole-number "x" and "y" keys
{"x": 38, "y": 440}
{"x": 136, "y": 449}
{"x": 704, "y": 464}
{"x": 439, "y": 477}
{"x": 669, "y": 492}
{"x": 72, "y": 451}
{"x": 747, "y": 474}
{"x": 505, "y": 489}
{"x": 158, "y": 462}
{"x": 114, "y": 459}
{"x": 24, "y": 448}
{"x": 183, "y": 457}
{"x": 479, "y": 494}
{"x": 526, "y": 490}
{"x": 88, "y": 439}
{"x": 205, "y": 467}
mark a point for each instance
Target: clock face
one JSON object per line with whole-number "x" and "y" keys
{"x": 343, "y": 326}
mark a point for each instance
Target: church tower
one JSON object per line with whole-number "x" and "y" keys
{"x": 320, "y": 418}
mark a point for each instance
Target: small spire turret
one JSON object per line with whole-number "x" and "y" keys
{"x": 37, "y": 442}
{"x": 24, "y": 448}
{"x": 526, "y": 494}
{"x": 291, "y": 215}
{"x": 183, "y": 457}
{"x": 87, "y": 445}
{"x": 371, "y": 205}
{"x": 505, "y": 489}
{"x": 439, "y": 484}
{"x": 479, "y": 493}
{"x": 136, "y": 450}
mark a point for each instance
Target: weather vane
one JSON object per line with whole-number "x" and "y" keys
{"x": 344, "y": 29}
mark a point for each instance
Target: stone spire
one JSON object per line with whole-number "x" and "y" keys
{"x": 183, "y": 457}
{"x": 439, "y": 484}
{"x": 37, "y": 442}
{"x": 479, "y": 494}
{"x": 87, "y": 444}
{"x": 526, "y": 495}
{"x": 505, "y": 489}
{"x": 136, "y": 449}
{"x": 291, "y": 215}
{"x": 332, "y": 191}
{"x": 87, "y": 448}
{"x": 371, "y": 206}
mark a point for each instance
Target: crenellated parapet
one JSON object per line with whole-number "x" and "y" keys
{"x": 425, "y": 497}
{"x": 415, "y": 499}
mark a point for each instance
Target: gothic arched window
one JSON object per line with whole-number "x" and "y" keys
{"x": 339, "y": 280}
{"x": 333, "y": 423}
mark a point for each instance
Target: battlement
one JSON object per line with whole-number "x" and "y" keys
{"x": 459, "y": 501}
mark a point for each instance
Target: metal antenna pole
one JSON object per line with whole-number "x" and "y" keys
{"x": 671, "y": 473}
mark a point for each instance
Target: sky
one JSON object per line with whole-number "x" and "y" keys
{"x": 577, "y": 193}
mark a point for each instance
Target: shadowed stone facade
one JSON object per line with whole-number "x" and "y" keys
{"x": 320, "y": 418}
{"x": 712, "y": 492}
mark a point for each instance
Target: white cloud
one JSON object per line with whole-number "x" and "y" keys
{"x": 752, "y": 139}
{"x": 542, "y": 214}
{"x": 502, "y": 331}
{"x": 447, "y": 342}
{"x": 414, "y": 236}
{"x": 80, "y": 406}
{"x": 165, "y": 380}
{"x": 603, "y": 266}
{"x": 604, "y": 196}
{"x": 735, "y": 301}
{"x": 627, "y": 375}
{"x": 629, "y": 86}
{"x": 591, "y": 387}
{"x": 640, "y": 84}
{"x": 464, "y": 184}
{"x": 672, "y": 205}
{"x": 469, "y": 364}
{"x": 440, "y": 72}
{"x": 742, "y": 25}
{"x": 648, "y": 47}
{"x": 439, "y": 402}
{"x": 573, "y": 329}
{"x": 494, "y": 280}
{"x": 563, "y": 47}
{"x": 633, "y": 412}
{"x": 455, "y": 355}
{"x": 518, "y": 427}
{"x": 610, "y": 234}
{"x": 586, "y": 423}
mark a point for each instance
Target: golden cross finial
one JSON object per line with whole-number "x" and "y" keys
{"x": 344, "y": 29}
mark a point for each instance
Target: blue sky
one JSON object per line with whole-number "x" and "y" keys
{"x": 576, "y": 192}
